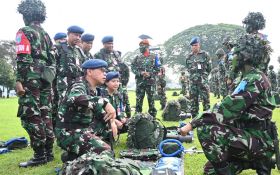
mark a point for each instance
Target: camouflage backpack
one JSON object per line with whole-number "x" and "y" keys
{"x": 175, "y": 93}
{"x": 95, "y": 164}
{"x": 172, "y": 111}
{"x": 184, "y": 103}
{"x": 144, "y": 132}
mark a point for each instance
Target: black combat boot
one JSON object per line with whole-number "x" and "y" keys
{"x": 38, "y": 159}
{"x": 68, "y": 156}
{"x": 263, "y": 167}
{"x": 49, "y": 153}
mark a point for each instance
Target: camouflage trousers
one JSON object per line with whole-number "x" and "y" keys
{"x": 141, "y": 88}
{"x": 216, "y": 89}
{"x": 80, "y": 141}
{"x": 227, "y": 146}
{"x": 162, "y": 96}
{"x": 34, "y": 111}
{"x": 223, "y": 88}
{"x": 184, "y": 89}
{"x": 199, "y": 90}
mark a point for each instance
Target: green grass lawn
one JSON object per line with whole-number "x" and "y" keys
{"x": 10, "y": 127}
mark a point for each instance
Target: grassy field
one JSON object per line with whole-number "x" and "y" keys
{"x": 10, "y": 127}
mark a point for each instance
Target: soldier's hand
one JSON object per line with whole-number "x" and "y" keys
{"x": 110, "y": 112}
{"x": 114, "y": 128}
{"x": 19, "y": 89}
{"x": 185, "y": 129}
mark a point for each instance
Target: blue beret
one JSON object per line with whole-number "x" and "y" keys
{"x": 107, "y": 39}
{"x": 195, "y": 40}
{"x": 111, "y": 75}
{"x": 59, "y": 35}
{"x": 87, "y": 37}
{"x": 75, "y": 29}
{"x": 94, "y": 64}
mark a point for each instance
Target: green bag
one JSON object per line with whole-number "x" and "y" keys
{"x": 172, "y": 111}
{"x": 48, "y": 73}
{"x": 100, "y": 164}
{"x": 144, "y": 132}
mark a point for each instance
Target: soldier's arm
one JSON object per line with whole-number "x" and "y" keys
{"x": 232, "y": 106}
{"x": 208, "y": 69}
{"x": 78, "y": 97}
{"x": 134, "y": 67}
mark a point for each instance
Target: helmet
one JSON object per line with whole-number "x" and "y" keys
{"x": 32, "y": 10}
{"x": 251, "y": 49}
{"x": 270, "y": 67}
{"x": 254, "y": 21}
{"x": 220, "y": 52}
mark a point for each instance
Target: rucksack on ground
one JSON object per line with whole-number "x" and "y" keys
{"x": 184, "y": 103}
{"x": 144, "y": 132}
{"x": 172, "y": 111}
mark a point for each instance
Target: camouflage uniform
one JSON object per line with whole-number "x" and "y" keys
{"x": 79, "y": 113}
{"x": 114, "y": 62}
{"x": 272, "y": 79}
{"x": 33, "y": 47}
{"x": 119, "y": 101}
{"x": 145, "y": 63}
{"x": 199, "y": 68}
{"x": 222, "y": 72}
{"x": 161, "y": 84}
{"x": 183, "y": 81}
{"x": 215, "y": 82}
{"x": 278, "y": 81}
{"x": 236, "y": 135}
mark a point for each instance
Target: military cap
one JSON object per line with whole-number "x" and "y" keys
{"x": 75, "y": 29}
{"x": 111, "y": 75}
{"x": 87, "y": 37}
{"x": 194, "y": 40}
{"x": 107, "y": 39}
{"x": 94, "y": 64}
{"x": 59, "y": 35}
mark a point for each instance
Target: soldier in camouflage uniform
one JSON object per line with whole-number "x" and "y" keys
{"x": 145, "y": 70}
{"x": 215, "y": 83}
{"x": 222, "y": 72}
{"x": 236, "y": 134}
{"x": 161, "y": 84}
{"x": 272, "y": 79}
{"x": 80, "y": 113}
{"x": 34, "y": 59}
{"x": 199, "y": 66}
{"x": 116, "y": 98}
{"x": 183, "y": 79}
{"x": 60, "y": 37}
{"x": 87, "y": 40}
{"x": 254, "y": 22}
{"x": 113, "y": 58}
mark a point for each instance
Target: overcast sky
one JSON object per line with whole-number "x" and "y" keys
{"x": 127, "y": 19}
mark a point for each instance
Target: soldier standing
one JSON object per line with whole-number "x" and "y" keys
{"x": 183, "y": 79}
{"x": 215, "y": 82}
{"x": 161, "y": 84}
{"x": 199, "y": 66}
{"x": 145, "y": 70}
{"x": 236, "y": 135}
{"x": 69, "y": 58}
{"x": 78, "y": 111}
{"x": 272, "y": 79}
{"x": 222, "y": 72}
{"x": 87, "y": 40}
{"x": 113, "y": 59}
{"x": 34, "y": 62}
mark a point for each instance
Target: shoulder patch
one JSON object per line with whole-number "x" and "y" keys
{"x": 22, "y": 44}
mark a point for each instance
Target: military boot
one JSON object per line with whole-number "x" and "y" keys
{"x": 38, "y": 159}
{"x": 68, "y": 156}
{"x": 49, "y": 153}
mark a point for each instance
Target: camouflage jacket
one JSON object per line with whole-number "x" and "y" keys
{"x": 183, "y": 79}
{"x": 198, "y": 66}
{"x": 80, "y": 106}
{"x": 113, "y": 59}
{"x": 272, "y": 77}
{"x": 250, "y": 102}
{"x": 118, "y": 101}
{"x": 33, "y": 48}
{"x": 222, "y": 71}
{"x": 145, "y": 64}
{"x": 69, "y": 60}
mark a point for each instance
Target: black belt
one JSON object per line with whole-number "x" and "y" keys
{"x": 72, "y": 125}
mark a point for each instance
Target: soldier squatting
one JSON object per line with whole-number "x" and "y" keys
{"x": 64, "y": 83}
